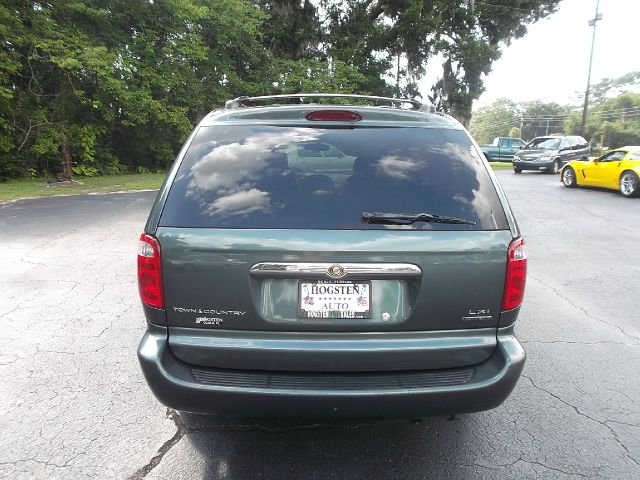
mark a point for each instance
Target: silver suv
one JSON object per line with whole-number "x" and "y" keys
{"x": 550, "y": 154}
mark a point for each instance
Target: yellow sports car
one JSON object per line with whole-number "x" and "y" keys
{"x": 617, "y": 169}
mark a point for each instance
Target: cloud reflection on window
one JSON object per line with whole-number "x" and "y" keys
{"x": 232, "y": 172}
{"x": 226, "y": 166}
{"x": 241, "y": 203}
{"x": 398, "y": 168}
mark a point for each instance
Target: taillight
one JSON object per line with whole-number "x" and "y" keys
{"x": 333, "y": 116}
{"x": 516, "y": 275}
{"x": 150, "y": 271}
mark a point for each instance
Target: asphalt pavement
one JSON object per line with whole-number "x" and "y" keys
{"x": 74, "y": 404}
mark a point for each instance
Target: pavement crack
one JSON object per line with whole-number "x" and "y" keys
{"x": 166, "y": 446}
{"x": 584, "y": 310}
{"x": 553, "y": 469}
{"x": 183, "y": 430}
{"x": 573, "y": 342}
{"x": 10, "y": 311}
{"x": 623, "y": 423}
{"x": 605, "y": 424}
{"x": 288, "y": 428}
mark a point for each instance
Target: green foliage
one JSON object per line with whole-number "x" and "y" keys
{"x": 495, "y": 120}
{"x": 541, "y": 118}
{"x": 122, "y": 83}
{"x": 391, "y": 41}
{"x": 309, "y": 76}
{"x": 469, "y": 39}
{"x": 108, "y": 164}
{"x": 504, "y": 118}
{"x": 603, "y": 89}
{"x": 117, "y": 79}
{"x": 292, "y": 29}
{"x": 613, "y": 122}
{"x": 85, "y": 171}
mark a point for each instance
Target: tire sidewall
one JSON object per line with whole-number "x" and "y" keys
{"x": 572, "y": 172}
{"x": 634, "y": 193}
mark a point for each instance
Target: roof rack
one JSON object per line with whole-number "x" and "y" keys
{"x": 417, "y": 105}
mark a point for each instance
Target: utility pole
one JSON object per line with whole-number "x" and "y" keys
{"x": 592, "y": 23}
{"x": 521, "y": 125}
{"x": 398, "y": 77}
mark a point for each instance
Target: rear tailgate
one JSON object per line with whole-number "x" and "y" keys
{"x": 208, "y": 283}
{"x": 211, "y": 293}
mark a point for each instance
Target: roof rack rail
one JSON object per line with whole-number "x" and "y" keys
{"x": 416, "y": 104}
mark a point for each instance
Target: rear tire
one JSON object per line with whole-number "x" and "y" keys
{"x": 569, "y": 177}
{"x": 517, "y": 170}
{"x": 629, "y": 184}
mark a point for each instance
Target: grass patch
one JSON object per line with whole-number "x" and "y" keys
{"x": 501, "y": 165}
{"x": 38, "y": 187}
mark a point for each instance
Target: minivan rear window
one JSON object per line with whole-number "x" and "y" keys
{"x": 257, "y": 176}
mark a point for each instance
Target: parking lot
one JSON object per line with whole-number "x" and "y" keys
{"x": 73, "y": 402}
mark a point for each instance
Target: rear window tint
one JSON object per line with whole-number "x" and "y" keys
{"x": 256, "y": 176}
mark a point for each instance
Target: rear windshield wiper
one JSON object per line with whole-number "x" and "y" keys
{"x": 410, "y": 218}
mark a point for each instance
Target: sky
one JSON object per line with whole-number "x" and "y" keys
{"x": 550, "y": 63}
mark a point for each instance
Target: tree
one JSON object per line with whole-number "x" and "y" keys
{"x": 614, "y": 112}
{"x": 396, "y": 38}
{"x": 602, "y": 90}
{"x": 528, "y": 120}
{"x": 292, "y": 29}
{"x": 614, "y": 122}
{"x": 99, "y": 86}
{"x": 540, "y": 118}
{"x": 50, "y": 115}
{"x": 495, "y": 120}
{"x": 310, "y": 76}
{"x": 470, "y": 40}
{"x": 108, "y": 84}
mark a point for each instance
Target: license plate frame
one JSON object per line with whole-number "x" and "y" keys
{"x": 360, "y": 299}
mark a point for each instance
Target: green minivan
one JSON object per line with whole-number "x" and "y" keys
{"x": 325, "y": 255}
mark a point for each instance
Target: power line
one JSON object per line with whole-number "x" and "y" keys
{"x": 495, "y": 125}
{"x": 571, "y": 113}
{"x": 618, "y": 112}
{"x": 541, "y": 123}
{"x": 565, "y": 115}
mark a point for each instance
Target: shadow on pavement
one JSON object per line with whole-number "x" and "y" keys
{"x": 234, "y": 448}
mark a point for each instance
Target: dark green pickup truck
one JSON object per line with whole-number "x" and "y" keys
{"x": 502, "y": 148}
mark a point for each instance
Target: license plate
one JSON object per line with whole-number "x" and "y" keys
{"x": 326, "y": 299}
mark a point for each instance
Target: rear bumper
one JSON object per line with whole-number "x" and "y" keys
{"x": 183, "y": 387}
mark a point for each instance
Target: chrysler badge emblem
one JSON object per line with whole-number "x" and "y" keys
{"x": 336, "y": 271}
